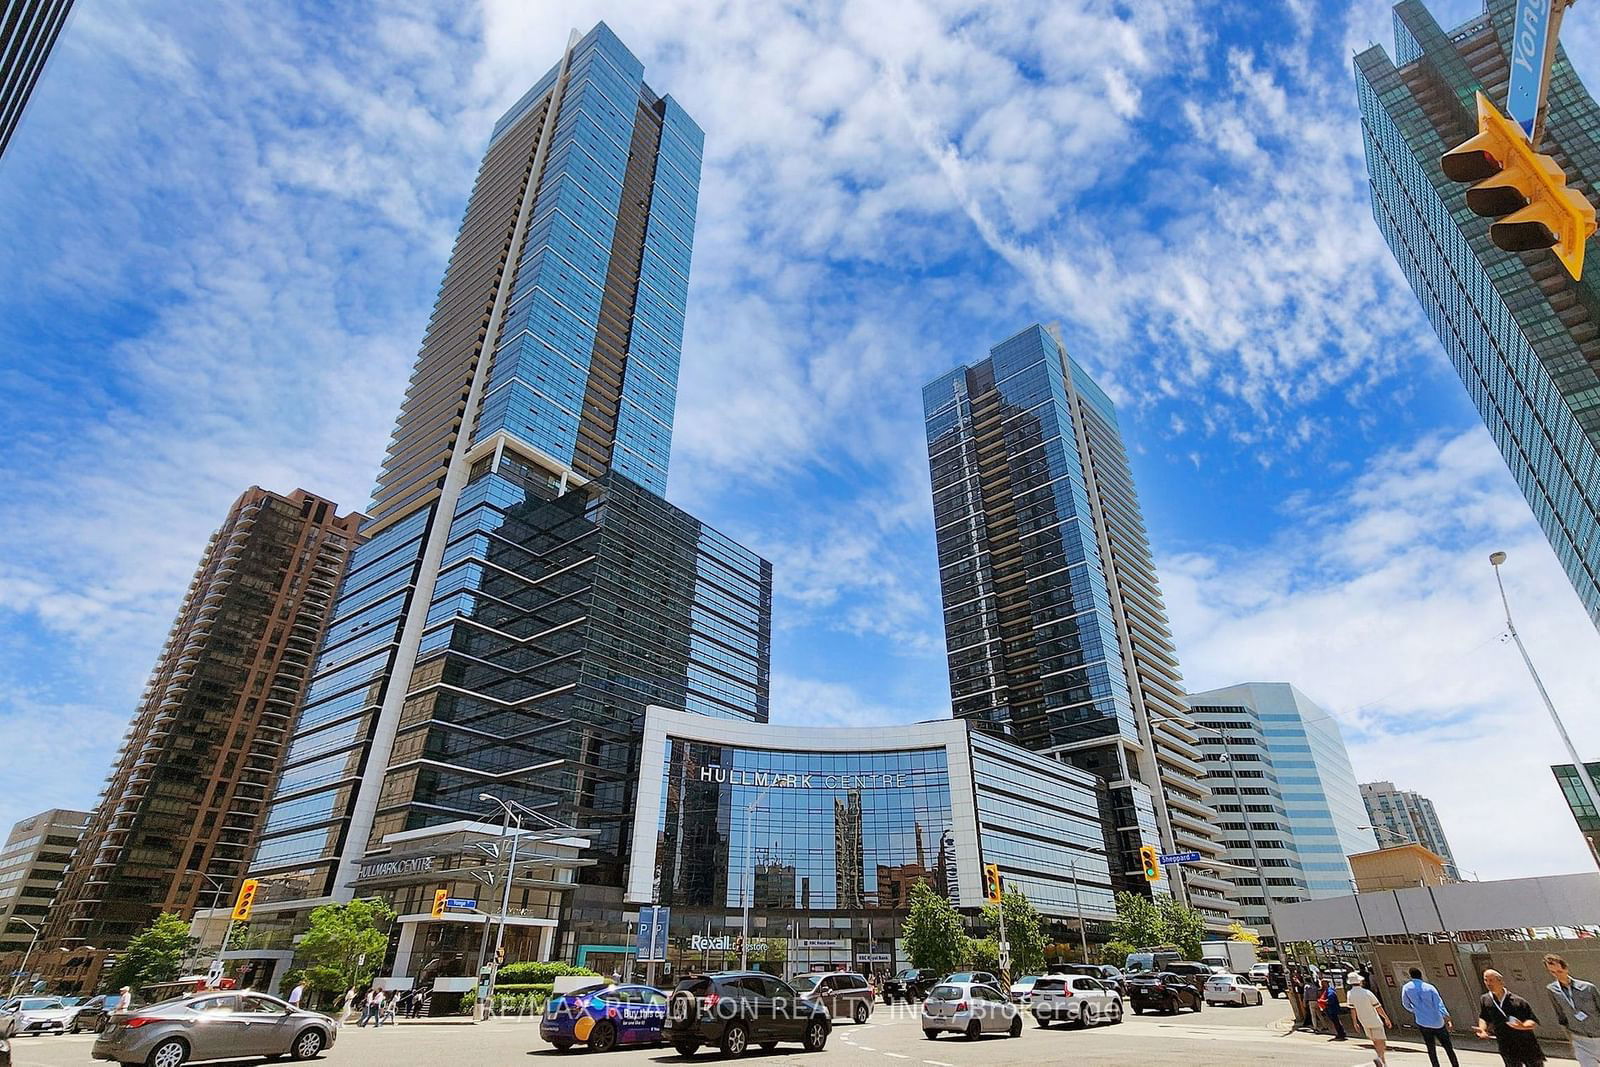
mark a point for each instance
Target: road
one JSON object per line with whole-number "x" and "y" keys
{"x": 1218, "y": 1037}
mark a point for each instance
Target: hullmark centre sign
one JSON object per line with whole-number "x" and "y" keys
{"x": 809, "y": 780}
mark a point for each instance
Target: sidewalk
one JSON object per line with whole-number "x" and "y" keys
{"x": 1407, "y": 1041}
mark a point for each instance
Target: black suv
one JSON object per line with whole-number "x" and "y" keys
{"x": 736, "y": 1009}
{"x": 1165, "y": 992}
{"x": 910, "y": 984}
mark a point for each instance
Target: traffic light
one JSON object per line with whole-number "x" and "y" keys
{"x": 1152, "y": 862}
{"x": 246, "y": 901}
{"x": 499, "y": 955}
{"x": 1527, "y": 191}
{"x": 991, "y": 883}
{"x": 439, "y": 897}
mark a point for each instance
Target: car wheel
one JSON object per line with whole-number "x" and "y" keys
{"x": 561, "y": 1044}
{"x": 1044, "y": 1023}
{"x": 931, "y": 1035}
{"x": 862, "y": 1013}
{"x": 1116, "y": 1013}
{"x": 308, "y": 1044}
{"x": 686, "y": 1048}
{"x": 973, "y": 1030}
{"x": 100, "y": 1025}
{"x": 735, "y": 1039}
{"x": 1137, "y": 1010}
{"x": 603, "y": 1038}
{"x": 1016, "y": 1026}
{"x": 887, "y": 999}
{"x": 170, "y": 1053}
{"x": 816, "y": 1036}
{"x": 72, "y": 1029}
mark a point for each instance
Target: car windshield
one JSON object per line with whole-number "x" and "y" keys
{"x": 962, "y": 976}
{"x": 947, "y": 992}
{"x": 1024, "y": 983}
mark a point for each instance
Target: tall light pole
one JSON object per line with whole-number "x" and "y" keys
{"x": 1244, "y": 811}
{"x": 505, "y": 896}
{"x": 26, "y": 956}
{"x": 1495, "y": 559}
{"x": 1077, "y": 904}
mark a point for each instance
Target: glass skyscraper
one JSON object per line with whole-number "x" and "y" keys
{"x": 1056, "y": 632}
{"x": 1288, "y": 772}
{"x": 525, "y": 591}
{"x": 1524, "y": 336}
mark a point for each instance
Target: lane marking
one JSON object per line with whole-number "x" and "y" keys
{"x": 866, "y": 1048}
{"x": 939, "y": 1063}
{"x": 897, "y": 1055}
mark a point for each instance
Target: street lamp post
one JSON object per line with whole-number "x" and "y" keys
{"x": 1077, "y": 904}
{"x": 26, "y": 956}
{"x": 746, "y": 877}
{"x": 1244, "y": 811}
{"x": 1495, "y": 559}
{"x": 505, "y": 896}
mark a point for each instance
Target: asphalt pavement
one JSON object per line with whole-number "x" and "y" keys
{"x": 1217, "y": 1037}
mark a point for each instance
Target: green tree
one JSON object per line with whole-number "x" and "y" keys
{"x": 1139, "y": 921}
{"x": 344, "y": 945}
{"x": 156, "y": 954}
{"x": 1116, "y": 953}
{"x": 982, "y": 954}
{"x": 1024, "y": 931}
{"x": 1183, "y": 926}
{"x": 932, "y": 931}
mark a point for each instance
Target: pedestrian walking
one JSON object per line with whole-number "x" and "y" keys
{"x": 373, "y": 1008}
{"x": 1369, "y": 1013}
{"x": 1511, "y": 1020}
{"x": 1329, "y": 1003}
{"x": 1297, "y": 1004}
{"x": 126, "y": 1003}
{"x": 296, "y": 993}
{"x": 1309, "y": 995}
{"x": 388, "y": 1005}
{"x": 347, "y": 1004}
{"x": 1577, "y": 1007}
{"x": 1427, "y": 1009}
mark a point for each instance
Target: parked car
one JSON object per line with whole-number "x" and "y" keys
{"x": 1075, "y": 999}
{"x": 37, "y": 1015}
{"x": 1258, "y": 974}
{"x": 1022, "y": 988}
{"x": 845, "y": 994}
{"x": 733, "y": 1010}
{"x": 969, "y": 1008}
{"x": 1231, "y": 989}
{"x": 90, "y": 1015}
{"x": 1110, "y": 975}
{"x": 973, "y": 978}
{"x": 604, "y": 1018}
{"x": 213, "y": 1026}
{"x": 1165, "y": 991}
{"x": 910, "y": 984}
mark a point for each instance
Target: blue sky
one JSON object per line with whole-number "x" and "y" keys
{"x": 222, "y": 227}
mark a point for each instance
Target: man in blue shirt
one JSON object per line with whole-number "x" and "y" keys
{"x": 1433, "y": 1018}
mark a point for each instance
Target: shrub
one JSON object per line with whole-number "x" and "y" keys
{"x": 523, "y": 973}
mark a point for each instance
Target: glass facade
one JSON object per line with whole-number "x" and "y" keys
{"x": 1056, "y": 636}
{"x": 1524, "y": 337}
{"x": 826, "y": 832}
{"x": 1287, "y": 771}
{"x": 1577, "y": 798}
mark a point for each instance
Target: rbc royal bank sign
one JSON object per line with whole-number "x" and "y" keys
{"x": 811, "y": 780}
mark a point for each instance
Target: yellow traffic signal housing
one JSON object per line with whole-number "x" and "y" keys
{"x": 991, "y": 883}
{"x": 439, "y": 896}
{"x": 1151, "y": 859}
{"x": 1526, "y": 190}
{"x": 245, "y": 904}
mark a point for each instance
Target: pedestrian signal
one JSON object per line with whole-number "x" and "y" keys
{"x": 1151, "y": 859}
{"x": 439, "y": 897}
{"x": 1525, "y": 190}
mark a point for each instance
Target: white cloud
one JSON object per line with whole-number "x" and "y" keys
{"x": 1380, "y": 604}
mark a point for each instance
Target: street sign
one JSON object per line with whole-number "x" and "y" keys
{"x": 458, "y": 902}
{"x": 1529, "y": 43}
{"x": 1178, "y": 857}
{"x": 214, "y": 973}
{"x": 652, "y": 939}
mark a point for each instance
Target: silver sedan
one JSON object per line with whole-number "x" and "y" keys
{"x": 212, "y": 1026}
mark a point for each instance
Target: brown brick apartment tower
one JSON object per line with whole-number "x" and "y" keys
{"x": 184, "y": 803}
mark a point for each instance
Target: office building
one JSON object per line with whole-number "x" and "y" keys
{"x": 28, "y": 31}
{"x": 1524, "y": 336}
{"x": 32, "y": 863}
{"x": 184, "y": 802}
{"x": 1578, "y": 800}
{"x": 1057, "y": 636}
{"x": 1399, "y": 815}
{"x": 526, "y": 591}
{"x": 841, "y": 822}
{"x": 1275, "y": 758}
